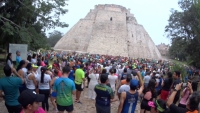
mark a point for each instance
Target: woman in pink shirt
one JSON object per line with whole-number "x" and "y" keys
{"x": 185, "y": 95}
{"x": 30, "y": 102}
{"x": 42, "y": 63}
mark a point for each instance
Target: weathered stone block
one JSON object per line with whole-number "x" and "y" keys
{"x": 109, "y": 29}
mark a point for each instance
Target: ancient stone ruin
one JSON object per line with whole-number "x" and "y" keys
{"x": 109, "y": 30}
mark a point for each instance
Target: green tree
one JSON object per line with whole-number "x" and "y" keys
{"x": 25, "y": 21}
{"x": 184, "y": 30}
{"x": 54, "y": 37}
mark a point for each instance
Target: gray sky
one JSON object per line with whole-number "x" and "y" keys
{"x": 152, "y": 14}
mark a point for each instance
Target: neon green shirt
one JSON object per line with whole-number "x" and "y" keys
{"x": 79, "y": 75}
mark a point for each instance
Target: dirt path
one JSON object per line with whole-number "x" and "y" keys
{"x": 87, "y": 106}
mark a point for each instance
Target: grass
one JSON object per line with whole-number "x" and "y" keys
{"x": 1, "y": 71}
{"x": 2, "y": 58}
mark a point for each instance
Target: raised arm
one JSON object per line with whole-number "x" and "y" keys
{"x": 173, "y": 94}
{"x": 122, "y": 99}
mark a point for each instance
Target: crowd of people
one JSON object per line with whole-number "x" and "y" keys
{"x": 139, "y": 85}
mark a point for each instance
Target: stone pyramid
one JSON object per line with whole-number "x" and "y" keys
{"x": 109, "y": 30}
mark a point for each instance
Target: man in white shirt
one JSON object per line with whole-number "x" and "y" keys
{"x": 125, "y": 87}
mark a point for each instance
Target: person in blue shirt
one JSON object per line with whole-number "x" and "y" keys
{"x": 10, "y": 86}
{"x": 71, "y": 74}
{"x": 18, "y": 58}
{"x": 128, "y": 100}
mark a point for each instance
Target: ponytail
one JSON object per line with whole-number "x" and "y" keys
{"x": 43, "y": 70}
{"x": 21, "y": 63}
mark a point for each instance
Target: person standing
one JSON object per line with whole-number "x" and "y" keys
{"x": 44, "y": 87}
{"x": 31, "y": 82}
{"x": 177, "y": 80}
{"x": 10, "y": 86}
{"x": 146, "y": 79}
{"x": 79, "y": 82}
{"x": 104, "y": 95}
{"x": 113, "y": 80}
{"x": 9, "y": 60}
{"x": 22, "y": 71}
{"x": 18, "y": 58}
{"x": 166, "y": 84}
{"x": 64, "y": 87}
{"x": 94, "y": 77}
{"x": 128, "y": 100}
{"x": 54, "y": 94}
{"x": 125, "y": 87}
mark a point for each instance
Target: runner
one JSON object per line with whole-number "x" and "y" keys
{"x": 21, "y": 69}
{"x": 177, "y": 80}
{"x": 31, "y": 82}
{"x": 79, "y": 82}
{"x": 64, "y": 87}
{"x": 53, "y": 94}
{"x": 104, "y": 95}
{"x": 128, "y": 100}
{"x": 166, "y": 84}
{"x": 44, "y": 87}
{"x": 9, "y": 90}
{"x": 94, "y": 78}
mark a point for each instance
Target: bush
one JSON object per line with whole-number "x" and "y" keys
{"x": 181, "y": 68}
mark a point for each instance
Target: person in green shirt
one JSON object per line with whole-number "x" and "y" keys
{"x": 104, "y": 95}
{"x": 9, "y": 90}
{"x": 64, "y": 87}
{"x": 79, "y": 80}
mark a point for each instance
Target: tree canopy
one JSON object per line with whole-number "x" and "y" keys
{"x": 184, "y": 31}
{"x": 54, "y": 37}
{"x": 25, "y": 21}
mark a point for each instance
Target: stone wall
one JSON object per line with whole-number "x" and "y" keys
{"x": 108, "y": 36}
{"x": 109, "y": 29}
{"x": 77, "y": 38}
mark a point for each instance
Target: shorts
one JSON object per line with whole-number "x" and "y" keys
{"x": 14, "y": 109}
{"x": 103, "y": 109}
{"x": 144, "y": 105}
{"x": 69, "y": 108}
{"x": 54, "y": 94}
{"x": 78, "y": 87}
{"x": 164, "y": 95}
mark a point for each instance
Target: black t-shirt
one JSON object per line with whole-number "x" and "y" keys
{"x": 175, "y": 109}
{"x": 177, "y": 81}
{"x": 167, "y": 85}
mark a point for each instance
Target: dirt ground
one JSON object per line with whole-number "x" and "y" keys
{"x": 87, "y": 106}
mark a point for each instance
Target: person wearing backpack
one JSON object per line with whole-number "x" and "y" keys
{"x": 149, "y": 95}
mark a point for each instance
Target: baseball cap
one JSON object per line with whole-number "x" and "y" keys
{"x": 134, "y": 83}
{"x": 28, "y": 97}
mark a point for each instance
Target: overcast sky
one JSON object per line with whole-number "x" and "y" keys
{"x": 152, "y": 14}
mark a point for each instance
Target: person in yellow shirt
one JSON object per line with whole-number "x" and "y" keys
{"x": 79, "y": 81}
